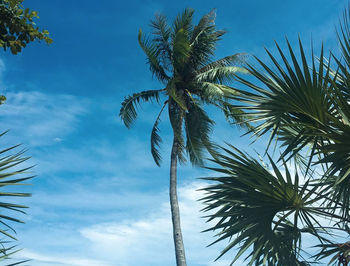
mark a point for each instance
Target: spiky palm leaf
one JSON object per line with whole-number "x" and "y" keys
{"x": 305, "y": 107}
{"x": 261, "y": 210}
{"x": 11, "y": 175}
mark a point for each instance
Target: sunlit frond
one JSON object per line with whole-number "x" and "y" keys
{"x": 236, "y": 59}
{"x": 220, "y": 74}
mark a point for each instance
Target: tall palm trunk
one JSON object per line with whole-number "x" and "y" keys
{"x": 175, "y": 212}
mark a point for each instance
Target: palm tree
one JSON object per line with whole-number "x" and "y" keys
{"x": 181, "y": 58}
{"x": 266, "y": 209}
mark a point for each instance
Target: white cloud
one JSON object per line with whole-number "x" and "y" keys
{"x": 150, "y": 239}
{"x": 42, "y": 260}
{"x": 39, "y": 118}
{"x": 140, "y": 241}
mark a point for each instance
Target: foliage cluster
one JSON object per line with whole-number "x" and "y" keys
{"x": 268, "y": 213}
{"x": 17, "y": 26}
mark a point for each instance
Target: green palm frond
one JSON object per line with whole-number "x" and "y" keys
{"x": 156, "y": 139}
{"x": 260, "y": 209}
{"x": 198, "y": 127}
{"x": 153, "y": 53}
{"x": 176, "y": 116}
{"x": 235, "y": 116}
{"x": 7, "y": 253}
{"x": 162, "y": 34}
{"x": 11, "y": 175}
{"x": 296, "y": 98}
{"x": 344, "y": 36}
{"x": 183, "y": 21}
{"x": 181, "y": 51}
{"x": 128, "y": 111}
{"x": 212, "y": 92}
{"x": 206, "y": 21}
{"x": 220, "y": 74}
{"x": 236, "y": 59}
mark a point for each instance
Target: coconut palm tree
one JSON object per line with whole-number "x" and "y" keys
{"x": 181, "y": 58}
{"x": 267, "y": 209}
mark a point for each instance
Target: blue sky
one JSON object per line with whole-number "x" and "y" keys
{"x": 98, "y": 198}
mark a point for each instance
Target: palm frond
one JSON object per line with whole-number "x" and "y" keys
{"x": 294, "y": 99}
{"x": 181, "y": 51}
{"x": 236, "y": 59}
{"x": 344, "y": 36}
{"x": 198, "y": 127}
{"x": 183, "y": 21}
{"x": 153, "y": 52}
{"x": 220, "y": 74}
{"x": 156, "y": 139}
{"x": 11, "y": 174}
{"x": 128, "y": 111}
{"x": 236, "y": 116}
{"x": 212, "y": 92}
{"x": 176, "y": 94}
{"x": 176, "y": 116}
{"x": 204, "y": 23}
{"x": 261, "y": 209}
{"x": 162, "y": 34}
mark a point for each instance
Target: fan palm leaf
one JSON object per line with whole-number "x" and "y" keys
{"x": 261, "y": 209}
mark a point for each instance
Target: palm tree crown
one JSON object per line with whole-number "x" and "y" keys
{"x": 181, "y": 58}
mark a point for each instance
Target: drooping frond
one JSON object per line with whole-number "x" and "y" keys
{"x": 156, "y": 139}
{"x": 198, "y": 127}
{"x": 176, "y": 95}
{"x": 128, "y": 112}
{"x": 153, "y": 53}
{"x": 176, "y": 116}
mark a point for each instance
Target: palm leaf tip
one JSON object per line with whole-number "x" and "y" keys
{"x": 128, "y": 111}
{"x": 156, "y": 140}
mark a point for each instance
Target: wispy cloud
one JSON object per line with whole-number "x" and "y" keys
{"x": 147, "y": 239}
{"x": 41, "y": 119}
{"x": 43, "y": 260}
